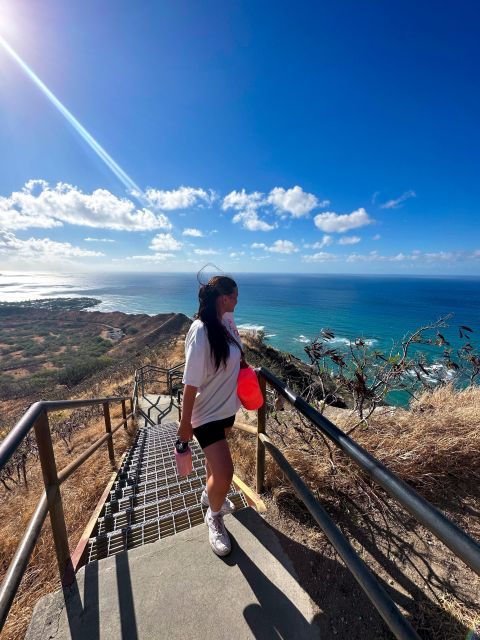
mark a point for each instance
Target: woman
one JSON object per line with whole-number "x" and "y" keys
{"x": 210, "y": 401}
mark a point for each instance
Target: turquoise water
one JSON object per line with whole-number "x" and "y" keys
{"x": 291, "y": 309}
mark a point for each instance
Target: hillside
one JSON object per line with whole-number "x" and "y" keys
{"x": 434, "y": 446}
{"x": 51, "y": 349}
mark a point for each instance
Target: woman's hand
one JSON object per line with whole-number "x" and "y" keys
{"x": 185, "y": 431}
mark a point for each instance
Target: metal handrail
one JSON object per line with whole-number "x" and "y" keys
{"x": 142, "y": 379}
{"x": 448, "y": 532}
{"x": 398, "y": 624}
{"x": 12, "y": 441}
{"x": 455, "y": 538}
{"x": 50, "y": 501}
{"x": 135, "y": 395}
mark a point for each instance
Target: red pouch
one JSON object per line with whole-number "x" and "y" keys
{"x": 248, "y": 389}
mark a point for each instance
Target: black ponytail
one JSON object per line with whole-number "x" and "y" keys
{"x": 218, "y": 336}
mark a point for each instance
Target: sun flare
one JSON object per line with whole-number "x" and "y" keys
{"x": 8, "y": 20}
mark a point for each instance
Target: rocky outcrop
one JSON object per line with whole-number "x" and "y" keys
{"x": 299, "y": 375}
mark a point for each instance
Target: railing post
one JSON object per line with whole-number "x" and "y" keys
{"x": 131, "y": 411}
{"x": 108, "y": 429}
{"x": 261, "y": 423}
{"x": 124, "y": 414}
{"x": 52, "y": 489}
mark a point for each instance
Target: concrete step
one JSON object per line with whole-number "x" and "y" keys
{"x": 177, "y": 588}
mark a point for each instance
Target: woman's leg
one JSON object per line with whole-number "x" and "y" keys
{"x": 219, "y": 473}
{"x": 228, "y": 433}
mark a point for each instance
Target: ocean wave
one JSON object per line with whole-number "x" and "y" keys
{"x": 250, "y": 328}
{"x": 369, "y": 342}
{"x": 434, "y": 373}
{"x": 302, "y": 339}
{"x": 269, "y": 335}
{"x": 344, "y": 341}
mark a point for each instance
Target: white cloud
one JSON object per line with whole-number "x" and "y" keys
{"x": 414, "y": 256}
{"x": 152, "y": 257}
{"x": 98, "y": 240}
{"x": 195, "y": 233}
{"x": 339, "y": 223}
{"x": 240, "y": 200}
{"x": 205, "y": 252}
{"x": 279, "y": 246}
{"x": 282, "y": 246}
{"x": 11, "y": 218}
{"x": 165, "y": 242}
{"x": 237, "y": 254}
{"x": 322, "y": 256}
{"x": 42, "y": 249}
{"x": 349, "y": 240}
{"x": 247, "y": 204}
{"x": 252, "y": 222}
{"x": 39, "y": 205}
{"x": 295, "y": 201}
{"x": 377, "y": 236}
{"x": 397, "y": 202}
{"x": 181, "y": 198}
{"x": 326, "y": 241}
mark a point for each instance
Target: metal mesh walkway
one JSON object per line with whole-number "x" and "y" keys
{"x": 149, "y": 500}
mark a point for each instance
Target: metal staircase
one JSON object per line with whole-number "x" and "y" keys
{"x": 149, "y": 500}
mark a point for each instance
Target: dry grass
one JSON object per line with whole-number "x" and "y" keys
{"x": 430, "y": 446}
{"x": 80, "y": 494}
{"x": 435, "y": 447}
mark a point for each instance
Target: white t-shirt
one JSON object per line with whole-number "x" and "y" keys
{"x": 216, "y": 397}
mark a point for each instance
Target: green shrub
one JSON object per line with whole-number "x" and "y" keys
{"x": 131, "y": 330}
{"x": 81, "y": 369}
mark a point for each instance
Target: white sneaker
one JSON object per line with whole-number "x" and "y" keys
{"x": 227, "y": 506}
{"x": 217, "y": 534}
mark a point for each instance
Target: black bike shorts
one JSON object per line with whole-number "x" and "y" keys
{"x": 211, "y": 432}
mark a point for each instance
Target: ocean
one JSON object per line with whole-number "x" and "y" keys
{"x": 290, "y": 309}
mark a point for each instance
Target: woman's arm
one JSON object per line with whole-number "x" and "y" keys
{"x": 185, "y": 430}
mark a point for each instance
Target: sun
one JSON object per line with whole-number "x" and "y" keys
{"x": 8, "y": 20}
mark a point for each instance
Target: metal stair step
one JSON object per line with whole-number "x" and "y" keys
{"x": 129, "y": 487}
{"x": 152, "y": 472}
{"x": 148, "y": 499}
{"x": 151, "y": 510}
{"x": 156, "y": 455}
{"x": 141, "y": 469}
{"x": 142, "y": 533}
{"x": 146, "y": 512}
{"x": 139, "y": 534}
{"x": 168, "y": 491}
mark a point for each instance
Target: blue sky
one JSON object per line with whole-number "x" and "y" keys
{"x": 273, "y": 136}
